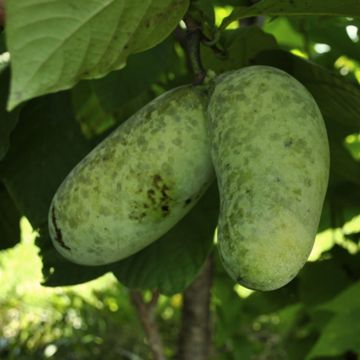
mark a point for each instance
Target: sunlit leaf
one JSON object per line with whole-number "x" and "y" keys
{"x": 55, "y": 43}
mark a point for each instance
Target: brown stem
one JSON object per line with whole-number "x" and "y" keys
{"x": 195, "y": 333}
{"x": 146, "y": 313}
{"x": 193, "y": 37}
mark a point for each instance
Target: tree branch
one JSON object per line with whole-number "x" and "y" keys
{"x": 195, "y": 334}
{"x": 146, "y": 313}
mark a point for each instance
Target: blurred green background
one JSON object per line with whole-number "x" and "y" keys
{"x": 315, "y": 316}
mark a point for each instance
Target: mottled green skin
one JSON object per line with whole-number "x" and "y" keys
{"x": 137, "y": 184}
{"x": 270, "y": 151}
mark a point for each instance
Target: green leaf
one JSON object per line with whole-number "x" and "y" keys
{"x": 119, "y": 87}
{"x": 340, "y": 335}
{"x": 284, "y": 33}
{"x": 171, "y": 263}
{"x": 8, "y": 120}
{"x": 88, "y": 112}
{"x": 9, "y": 220}
{"x": 337, "y": 337}
{"x": 349, "y": 8}
{"x": 241, "y": 46}
{"x": 46, "y": 145}
{"x": 331, "y": 31}
{"x": 70, "y": 40}
{"x": 347, "y": 300}
{"x": 322, "y": 280}
{"x": 202, "y": 11}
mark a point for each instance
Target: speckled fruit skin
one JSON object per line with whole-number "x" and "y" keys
{"x": 136, "y": 184}
{"x": 271, "y": 156}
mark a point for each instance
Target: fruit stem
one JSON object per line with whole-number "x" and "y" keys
{"x": 193, "y": 38}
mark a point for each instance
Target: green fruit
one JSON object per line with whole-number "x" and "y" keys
{"x": 136, "y": 184}
{"x": 271, "y": 157}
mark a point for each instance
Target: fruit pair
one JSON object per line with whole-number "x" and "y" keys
{"x": 263, "y": 133}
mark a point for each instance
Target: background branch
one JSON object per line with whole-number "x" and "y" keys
{"x": 146, "y": 313}
{"x": 195, "y": 333}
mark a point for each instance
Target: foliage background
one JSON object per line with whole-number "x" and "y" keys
{"x": 316, "y": 316}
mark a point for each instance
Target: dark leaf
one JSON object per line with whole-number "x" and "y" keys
{"x": 8, "y": 120}
{"x": 9, "y": 220}
{"x": 46, "y": 144}
{"x": 133, "y": 82}
{"x": 240, "y": 47}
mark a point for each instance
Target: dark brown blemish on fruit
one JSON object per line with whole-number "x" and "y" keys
{"x": 308, "y": 182}
{"x": 58, "y": 235}
{"x": 165, "y": 210}
{"x": 288, "y": 142}
{"x": 188, "y": 201}
{"x": 161, "y": 186}
{"x": 151, "y": 195}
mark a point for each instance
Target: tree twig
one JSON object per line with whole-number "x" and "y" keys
{"x": 146, "y": 313}
{"x": 195, "y": 333}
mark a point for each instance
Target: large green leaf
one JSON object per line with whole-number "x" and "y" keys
{"x": 9, "y": 220}
{"x": 339, "y": 336}
{"x": 322, "y": 280}
{"x": 347, "y": 300}
{"x": 8, "y": 120}
{"x": 46, "y": 144}
{"x": 142, "y": 70}
{"x": 55, "y": 43}
{"x": 88, "y": 112}
{"x": 284, "y": 33}
{"x": 348, "y": 8}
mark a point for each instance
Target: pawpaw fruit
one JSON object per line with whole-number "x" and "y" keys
{"x": 137, "y": 183}
{"x": 271, "y": 156}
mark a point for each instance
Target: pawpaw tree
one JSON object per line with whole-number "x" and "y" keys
{"x": 71, "y": 73}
